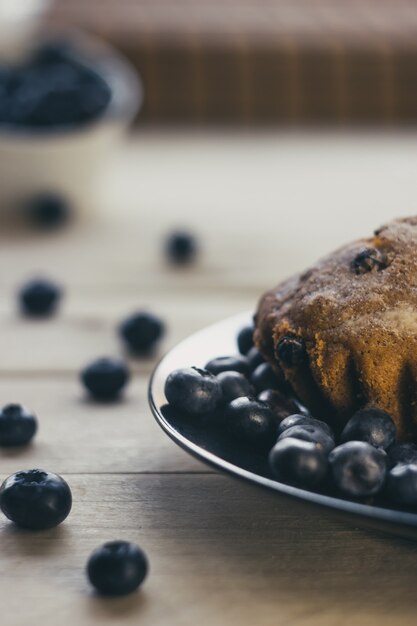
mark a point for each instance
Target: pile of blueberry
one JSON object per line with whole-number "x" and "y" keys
{"x": 243, "y": 400}
{"x": 52, "y": 89}
{"x": 35, "y": 499}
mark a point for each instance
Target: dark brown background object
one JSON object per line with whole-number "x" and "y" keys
{"x": 264, "y": 60}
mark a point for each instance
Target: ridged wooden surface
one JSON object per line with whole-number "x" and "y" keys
{"x": 263, "y": 61}
{"x": 221, "y": 552}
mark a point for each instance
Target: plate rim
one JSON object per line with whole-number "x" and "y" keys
{"x": 358, "y": 509}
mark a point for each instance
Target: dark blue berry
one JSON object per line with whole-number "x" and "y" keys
{"x": 264, "y": 377}
{"x": 251, "y": 422}
{"x": 245, "y": 339}
{"x": 310, "y": 432}
{"x": 17, "y": 426}
{"x": 35, "y": 499}
{"x": 141, "y": 332}
{"x": 402, "y": 484}
{"x": 39, "y": 297}
{"x": 234, "y": 385}
{"x": 371, "y": 425}
{"x": 404, "y": 453}
{"x": 280, "y": 404}
{"x": 369, "y": 260}
{"x": 48, "y": 210}
{"x": 291, "y": 350}
{"x": 298, "y": 462}
{"x": 117, "y": 568}
{"x": 193, "y": 390}
{"x": 298, "y": 419}
{"x": 255, "y": 358}
{"x": 236, "y": 363}
{"x": 181, "y": 247}
{"x": 358, "y": 469}
{"x": 105, "y": 378}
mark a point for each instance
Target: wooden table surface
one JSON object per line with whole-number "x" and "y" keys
{"x": 221, "y": 552}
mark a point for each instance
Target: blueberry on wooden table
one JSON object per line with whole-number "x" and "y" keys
{"x": 298, "y": 462}
{"x": 39, "y": 297}
{"x": 193, "y": 390}
{"x": 251, "y": 422}
{"x": 181, "y": 247}
{"x": 402, "y": 484}
{"x": 310, "y": 432}
{"x": 17, "y": 426}
{"x": 105, "y": 378}
{"x": 237, "y": 363}
{"x": 234, "y": 385}
{"x": 358, "y": 468}
{"x": 117, "y": 568}
{"x": 245, "y": 339}
{"x": 371, "y": 425}
{"x": 141, "y": 332}
{"x": 35, "y": 499}
{"x": 48, "y": 210}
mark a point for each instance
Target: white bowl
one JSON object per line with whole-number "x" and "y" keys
{"x": 67, "y": 161}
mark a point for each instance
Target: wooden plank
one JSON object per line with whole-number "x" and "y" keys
{"x": 79, "y": 435}
{"x": 263, "y": 205}
{"x": 87, "y": 327}
{"x": 220, "y": 552}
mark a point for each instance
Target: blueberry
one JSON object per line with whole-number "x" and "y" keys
{"x": 402, "y": 484}
{"x": 39, "y": 297}
{"x": 310, "y": 432}
{"x": 251, "y": 422}
{"x": 35, "y": 499}
{"x": 17, "y": 426}
{"x": 236, "y": 363}
{"x": 245, "y": 339}
{"x": 193, "y": 390}
{"x": 299, "y": 419}
{"x": 234, "y": 385}
{"x": 141, "y": 332}
{"x": 181, "y": 247}
{"x": 371, "y": 425}
{"x": 298, "y": 462}
{"x": 369, "y": 260}
{"x": 48, "y": 210}
{"x": 404, "y": 453}
{"x": 280, "y": 404}
{"x": 291, "y": 350}
{"x": 105, "y": 378}
{"x": 117, "y": 568}
{"x": 264, "y": 377}
{"x": 358, "y": 468}
{"x": 255, "y": 358}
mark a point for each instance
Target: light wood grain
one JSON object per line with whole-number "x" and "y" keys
{"x": 221, "y": 552}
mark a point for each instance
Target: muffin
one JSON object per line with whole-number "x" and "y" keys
{"x": 343, "y": 334}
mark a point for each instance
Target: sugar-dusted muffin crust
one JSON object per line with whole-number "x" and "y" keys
{"x": 344, "y": 333}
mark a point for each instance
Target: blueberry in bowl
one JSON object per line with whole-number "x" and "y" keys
{"x": 63, "y": 106}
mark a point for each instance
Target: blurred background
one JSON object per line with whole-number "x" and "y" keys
{"x": 270, "y": 131}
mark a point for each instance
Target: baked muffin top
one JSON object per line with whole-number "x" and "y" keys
{"x": 344, "y": 332}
